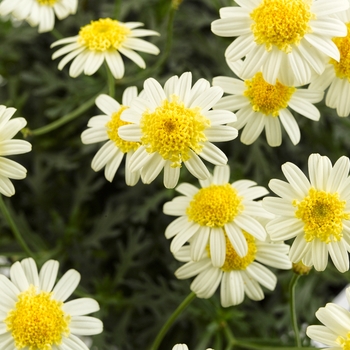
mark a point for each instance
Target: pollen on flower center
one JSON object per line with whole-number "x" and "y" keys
{"x": 103, "y": 35}
{"x": 215, "y": 206}
{"x": 281, "y": 23}
{"x": 266, "y": 98}
{"x": 47, "y": 2}
{"x": 322, "y": 214}
{"x": 173, "y": 130}
{"x": 112, "y": 130}
{"x": 37, "y": 322}
{"x": 344, "y": 343}
{"x": 342, "y": 68}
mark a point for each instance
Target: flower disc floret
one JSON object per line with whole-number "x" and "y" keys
{"x": 281, "y": 23}
{"x": 47, "y": 2}
{"x": 102, "y": 35}
{"x": 112, "y": 131}
{"x": 322, "y": 214}
{"x": 215, "y": 205}
{"x": 344, "y": 343}
{"x": 37, "y": 322}
{"x": 173, "y": 130}
{"x": 266, "y": 98}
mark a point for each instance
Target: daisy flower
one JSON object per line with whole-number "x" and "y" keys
{"x": 337, "y": 74}
{"x": 261, "y": 105}
{"x": 217, "y": 212}
{"x": 183, "y": 347}
{"x": 104, "y": 39}
{"x": 335, "y": 332}
{"x": 34, "y": 314}
{"x": 315, "y": 211}
{"x": 8, "y": 168}
{"x": 105, "y": 128}
{"x": 287, "y": 40}
{"x": 39, "y": 12}
{"x": 176, "y": 125}
{"x": 238, "y": 275}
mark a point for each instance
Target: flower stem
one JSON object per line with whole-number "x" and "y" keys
{"x": 171, "y": 320}
{"x": 14, "y": 228}
{"x": 111, "y": 81}
{"x": 293, "y": 314}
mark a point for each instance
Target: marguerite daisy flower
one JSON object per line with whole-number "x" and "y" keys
{"x": 335, "y": 332}
{"x": 217, "y": 212}
{"x": 315, "y": 211}
{"x": 337, "y": 74}
{"x": 176, "y": 125}
{"x": 105, "y": 128}
{"x": 34, "y": 314}
{"x": 183, "y": 347}
{"x": 287, "y": 40}
{"x": 238, "y": 275}
{"x": 39, "y": 12}
{"x": 104, "y": 39}
{"x": 261, "y": 105}
{"x": 8, "y": 168}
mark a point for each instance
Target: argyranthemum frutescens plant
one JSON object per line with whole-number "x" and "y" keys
{"x": 216, "y": 214}
{"x": 260, "y": 105}
{"x": 288, "y": 40}
{"x": 35, "y": 314}
{"x": 104, "y": 40}
{"x": 316, "y": 212}
{"x": 105, "y": 128}
{"x": 175, "y": 125}
{"x": 39, "y": 12}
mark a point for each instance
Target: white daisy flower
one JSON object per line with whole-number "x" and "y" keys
{"x": 105, "y": 128}
{"x": 39, "y": 12}
{"x": 261, "y": 105}
{"x": 183, "y": 347}
{"x": 287, "y": 40}
{"x": 315, "y": 211}
{"x": 176, "y": 125}
{"x": 8, "y": 168}
{"x": 216, "y": 212}
{"x": 238, "y": 275}
{"x": 34, "y": 314}
{"x": 337, "y": 74}
{"x": 335, "y": 332}
{"x": 104, "y": 39}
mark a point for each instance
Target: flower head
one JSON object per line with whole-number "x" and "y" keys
{"x": 8, "y": 168}
{"x": 315, "y": 211}
{"x": 104, "y": 39}
{"x": 35, "y": 314}
{"x": 216, "y": 214}
{"x": 261, "y": 105}
{"x": 288, "y": 40}
{"x": 175, "y": 126}
{"x": 39, "y": 12}
{"x": 105, "y": 128}
{"x": 335, "y": 332}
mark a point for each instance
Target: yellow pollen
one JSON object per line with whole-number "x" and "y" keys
{"x": 215, "y": 206}
{"x": 322, "y": 214}
{"x": 47, "y": 2}
{"x": 281, "y": 23}
{"x": 104, "y": 34}
{"x": 266, "y": 98}
{"x": 344, "y": 343}
{"x": 37, "y": 322}
{"x": 173, "y": 130}
{"x": 112, "y": 131}
{"x": 342, "y": 68}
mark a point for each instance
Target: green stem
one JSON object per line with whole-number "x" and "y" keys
{"x": 293, "y": 314}
{"x": 171, "y": 320}
{"x": 111, "y": 81}
{"x": 14, "y": 228}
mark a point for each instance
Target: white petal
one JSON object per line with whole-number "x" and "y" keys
{"x": 66, "y": 285}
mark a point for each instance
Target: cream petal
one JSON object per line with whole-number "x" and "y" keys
{"x": 115, "y": 64}
{"x": 271, "y": 66}
{"x": 171, "y": 175}
{"x": 207, "y": 99}
{"x": 199, "y": 243}
{"x": 178, "y": 225}
{"x": 262, "y": 275}
{"x": 183, "y": 87}
{"x": 253, "y": 128}
{"x": 155, "y": 92}
{"x": 48, "y": 275}
{"x": 187, "y": 189}
{"x": 81, "y": 306}
{"x": 237, "y": 239}
{"x": 8, "y": 289}
{"x": 217, "y": 244}
{"x": 196, "y": 167}
{"x": 252, "y": 288}
{"x": 304, "y": 107}
{"x": 290, "y": 125}
{"x": 107, "y": 104}
{"x": 335, "y": 318}
{"x": 128, "y": 95}
{"x": 273, "y": 131}
{"x": 152, "y": 168}
{"x": 18, "y": 277}
{"x": 192, "y": 268}
{"x": 339, "y": 255}
{"x": 324, "y": 44}
{"x": 323, "y": 335}
{"x": 296, "y": 178}
{"x": 113, "y": 165}
{"x": 85, "y": 325}
{"x": 240, "y": 47}
{"x": 133, "y": 56}
{"x": 66, "y": 285}
{"x": 206, "y": 283}
{"x": 31, "y": 271}
{"x": 319, "y": 254}
{"x": 104, "y": 154}
{"x": 182, "y": 237}
{"x": 221, "y": 174}
{"x": 72, "y": 343}
{"x": 232, "y": 288}
{"x": 299, "y": 249}
{"x": 250, "y": 225}
{"x": 213, "y": 154}
{"x": 338, "y": 174}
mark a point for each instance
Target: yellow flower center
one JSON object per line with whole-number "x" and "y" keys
{"x": 112, "y": 131}
{"x": 266, "y": 98}
{"x": 342, "y": 68}
{"x": 104, "y": 34}
{"x": 281, "y": 23}
{"x": 344, "y": 343}
{"x": 173, "y": 130}
{"x": 37, "y": 322}
{"x": 323, "y": 214}
{"x": 47, "y": 2}
{"x": 215, "y": 206}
